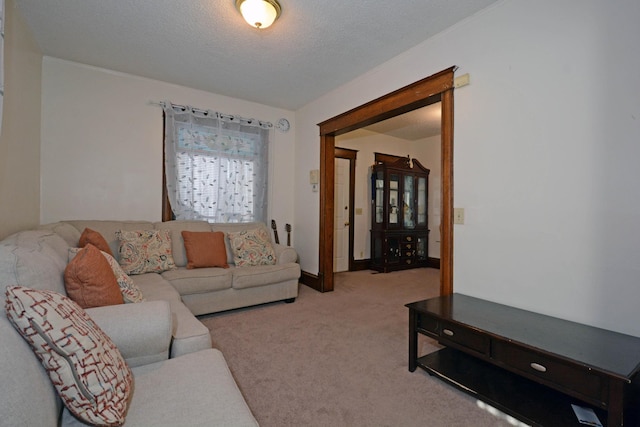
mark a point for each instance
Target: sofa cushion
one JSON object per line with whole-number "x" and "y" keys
{"x": 96, "y": 239}
{"x": 89, "y": 279}
{"x": 142, "y": 332}
{"x": 251, "y": 247}
{"x": 68, "y": 232}
{"x": 200, "y": 280}
{"x": 189, "y": 334}
{"x": 145, "y": 251}
{"x": 155, "y": 288}
{"x": 24, "y": 381}
{"x": 34, "y": 258}
{"x": 205, "y": 249}
{"x": 262, "y": 275}
{"x": 197, "y": 389}
{"x": 88, "y": 371}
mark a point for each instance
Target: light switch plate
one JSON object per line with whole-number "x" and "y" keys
{"x": 313, "y": 176}
{"x": 460, "y": 81}
{"x": 458, "y": 215}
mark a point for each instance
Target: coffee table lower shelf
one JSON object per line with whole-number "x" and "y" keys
{"x": 523, "y": 399}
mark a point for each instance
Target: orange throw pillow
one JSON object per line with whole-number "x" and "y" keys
{"x": 205, "y": 249}
{"x": 90, "y": 281}
{"x": 96, "y": 239}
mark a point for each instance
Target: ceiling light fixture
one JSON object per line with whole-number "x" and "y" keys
{"x": 259, "y": 13}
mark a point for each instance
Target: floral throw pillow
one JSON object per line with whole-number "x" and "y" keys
{"x": 130, "y": 292}
{"x": 251, "y": 247}
{"x": 86, "y": 368}
{"x": 145, "y": 251}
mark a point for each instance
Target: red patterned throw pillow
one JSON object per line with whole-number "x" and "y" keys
{"x": 86, "y": 368}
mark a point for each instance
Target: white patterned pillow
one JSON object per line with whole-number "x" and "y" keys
{"x": 86, "y": 368}
{"x": 130, "y": 291}
{"x": 145, "y": 251}
{"x": 251, "y": 247}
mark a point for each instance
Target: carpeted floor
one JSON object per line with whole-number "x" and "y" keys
{"x": 340, "y": 358}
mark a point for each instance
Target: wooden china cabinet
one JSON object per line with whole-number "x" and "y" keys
{"x": 399, "y": 233}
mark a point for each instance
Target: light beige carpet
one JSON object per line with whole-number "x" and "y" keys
{"x": 340, "y": 358}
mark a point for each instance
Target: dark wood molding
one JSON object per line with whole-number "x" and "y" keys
{"x": 386, "y": 158}
{"x": 446, "y": 207}
{"x": 403, "y": 100}
{"x": 310, "y": 280}
{"x": 433, "y": 262}
{"x": 438, "y": 87}
{"x": 360, "y": 264}
{"x": 327, "y": 183}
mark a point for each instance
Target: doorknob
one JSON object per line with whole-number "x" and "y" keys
{"x": 346, "y": 224}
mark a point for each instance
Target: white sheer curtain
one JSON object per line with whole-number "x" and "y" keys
{"x": 216, "y": 165}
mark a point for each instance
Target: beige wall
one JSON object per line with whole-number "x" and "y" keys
{"x": 102, "y": 143}
{"x": 20, "y": 139}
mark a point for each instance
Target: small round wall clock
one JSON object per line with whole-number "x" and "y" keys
{"x": 283, "y": 125}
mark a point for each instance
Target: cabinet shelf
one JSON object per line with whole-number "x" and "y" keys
{"x": 399, "y": 220}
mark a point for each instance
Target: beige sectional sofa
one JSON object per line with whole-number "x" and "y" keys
{"x": 179, "y": 379}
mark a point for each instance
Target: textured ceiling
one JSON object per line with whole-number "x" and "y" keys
{"x": 417, "y": 124}
{"x": 314, "y": 47}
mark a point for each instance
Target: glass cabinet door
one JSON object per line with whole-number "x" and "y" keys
{"x": 422, "y": 201}
{"x": 394, "y": 181}
{"x": 379, "y": 197}
{"x": 408, "y": 205}
{"x": 421, "y": 249}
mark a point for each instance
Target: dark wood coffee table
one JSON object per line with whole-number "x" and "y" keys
{"x": 528, "y": 365}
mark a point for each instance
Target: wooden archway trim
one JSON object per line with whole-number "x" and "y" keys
{"x": 408, "y": 98}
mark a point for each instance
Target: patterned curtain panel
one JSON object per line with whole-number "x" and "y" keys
{"x": 216, "y": 165}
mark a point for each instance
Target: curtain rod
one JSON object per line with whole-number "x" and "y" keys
{"x": 212, "y": 113}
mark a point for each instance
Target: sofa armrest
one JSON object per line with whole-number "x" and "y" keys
{"x": 285, "y": 254}
{"x": 142, "y": 331}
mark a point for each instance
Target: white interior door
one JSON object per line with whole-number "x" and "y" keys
{"x": 341, "y": 216}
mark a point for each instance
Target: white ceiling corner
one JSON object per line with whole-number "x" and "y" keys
{"x": 314, "y": 47}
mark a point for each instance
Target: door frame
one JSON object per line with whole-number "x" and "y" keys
{"x": 351, "y": 155}
{"x": 403, "y": 100}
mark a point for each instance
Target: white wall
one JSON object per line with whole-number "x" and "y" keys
{"x": 545, "y": 155}
{"x": 102, "y": 143}
{"x": 20, "y": 139}
{"x": 426, "y": 150}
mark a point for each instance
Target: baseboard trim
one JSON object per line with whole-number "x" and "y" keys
{"x": 310, "y": 280}
{"x": 360, "y": 264}
{"x": 434, "y": 262}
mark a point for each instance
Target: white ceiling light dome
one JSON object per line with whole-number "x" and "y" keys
{"x": 259, "y": 13}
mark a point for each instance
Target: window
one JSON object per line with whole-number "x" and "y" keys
{"x": 216, "y": 166}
